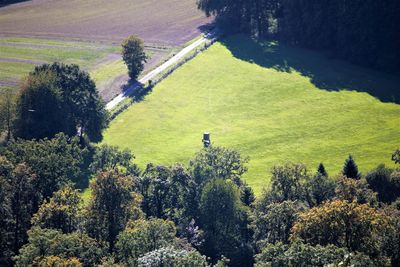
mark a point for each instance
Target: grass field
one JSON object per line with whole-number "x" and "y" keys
{"x": 272, "y": 103}
{"x": 18, "y": 56}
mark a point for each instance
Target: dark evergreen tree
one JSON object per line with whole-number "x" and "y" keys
{"x": 321, "y": 170}
{"x": 350, "y": 169}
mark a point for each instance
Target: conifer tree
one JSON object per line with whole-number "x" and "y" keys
{"x": 321, "y": 170}
{"x": 350, "y": 169}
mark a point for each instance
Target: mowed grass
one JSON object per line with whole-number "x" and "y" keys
{"x": 103, "y": 61}
{"x": 18, "y": 56}
{"x": 272, "y": 103}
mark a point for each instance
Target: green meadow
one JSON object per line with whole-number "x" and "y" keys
{"x": 271, "y": 102}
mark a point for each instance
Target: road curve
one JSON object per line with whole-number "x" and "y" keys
{"x": 173, "y": 60}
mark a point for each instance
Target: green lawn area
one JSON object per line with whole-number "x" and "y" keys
{"x": 18, "y": 56}
{"x": 272, "y": 103}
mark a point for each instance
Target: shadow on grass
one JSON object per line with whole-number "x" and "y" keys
{"x": 324, "y": 73}
{"x": 140, "y": 90}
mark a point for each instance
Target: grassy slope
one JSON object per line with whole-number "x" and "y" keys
{"x": 266, "y": 109}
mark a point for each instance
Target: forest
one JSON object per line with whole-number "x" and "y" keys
{"x": 363, "y": 32}
{"x": 199, "y": 214}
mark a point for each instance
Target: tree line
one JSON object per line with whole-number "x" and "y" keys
{"x": 201, "y": 214}
{"x": 363, "y": 32}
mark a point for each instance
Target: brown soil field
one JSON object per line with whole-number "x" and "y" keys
{"x": 170, "y": 22}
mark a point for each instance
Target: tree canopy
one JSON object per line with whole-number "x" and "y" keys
{"x": 59, "y": 98}
{"x": 133, "y": 55}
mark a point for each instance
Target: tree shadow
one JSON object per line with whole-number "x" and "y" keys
{"x": 206, "y": 28}
{"x": 4, "y": 3}
{"x": 324, "y": 72}
{"x": 138, "y": 90}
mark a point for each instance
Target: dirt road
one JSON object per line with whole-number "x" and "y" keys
{"x": 173, "y": 60}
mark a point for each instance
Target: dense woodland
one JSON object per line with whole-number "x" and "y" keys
{"x": 200, "y": 214}
{"x": 363, "y": 32}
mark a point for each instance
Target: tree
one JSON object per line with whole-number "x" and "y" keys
{"x": 62, "y": 212}
{"x": 155, "y": 184}
{"x": 343, "y": 224}
{"x": 287, "y": 183}
{"x": 112, "y": 205}
{"x": 218, "y": 162}
{"x": 142, "y": 236}
{"x": 5, "y": 221}
{"x": 110, "y": 157}
{"x": 40, "y": 112}
{"x": 172, "y": 257}
{"x": 133, "y": 55}
{"x": 273, "y": 223}
{"x": 350, "y": 169}
{"x": 23, "y": 203}
{"x": 54, "y": 161}
{"x": 52, "y": 261}
{"x": 321, "y": 170}
{"x": 396, "y": 156}
{"x": 247, "y": 195}
{"x": 50, "y": 245}
{"x": 300, "y": 254}
{"x": 224, "y": 220}
{"x": 59, "y": 98}
{"x": 7, "y": 112}
{"x": 355, "y": 190}
{"x": 383, "y": 181}
{"x": 169, "y": 192}
{"x": 319, "y": 189}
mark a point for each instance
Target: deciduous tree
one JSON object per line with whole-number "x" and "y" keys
{"x": 274, "y": 222}
{"x": 59, "y": 98}
{"x": 112, "y": 205}
{"x": 63, "y": 211}
{"x": 50, "y": 245}
{"x": 54, "y": 161}
{"x": 218, "y": 162}
{"x": 142, "y": 236}
{"x": 343, "y": 224}
{"x": 109, "y": 157}
{"x": 224, "y": 220}
{"x": 133, "y": 55}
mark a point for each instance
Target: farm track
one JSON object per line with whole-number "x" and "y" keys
{"x": 154, "y": 73}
